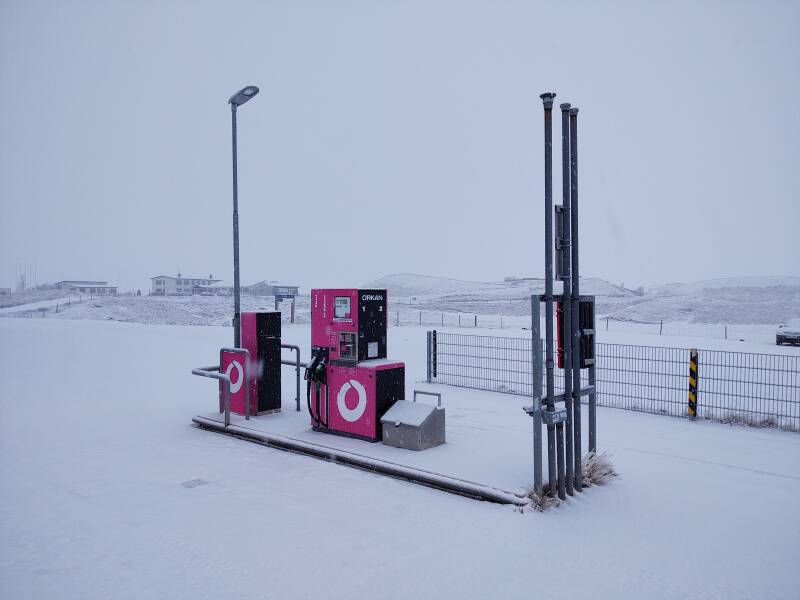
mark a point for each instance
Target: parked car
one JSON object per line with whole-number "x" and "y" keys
{"x": 787, "y": 335}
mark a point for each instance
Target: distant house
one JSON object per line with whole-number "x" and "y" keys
{"x": 165, "y": 285}
{"x": 270, "y": 288}
{"x": 220, "y": 288}
{"x": 99, "y": 288}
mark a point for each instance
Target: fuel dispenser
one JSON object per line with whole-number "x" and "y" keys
{"x": 261, "y": 337}
{"x": 350, "y": 383}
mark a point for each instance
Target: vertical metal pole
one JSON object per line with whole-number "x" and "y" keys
{"x": 236, "y": 307}
{"x": 567, "y": 313}
{"x": 576, "y": 339}
{"x": 297, "y": 380}
{"x": 536, "y": 385}
{"x": 226, "y": 398}
{"x": 428, "y": 362}
{"x": 246, "y": 385}
{"x": 593, "y": 400}
{"x": 547, "y": 100}
{"x": 562, "y": 494}
{"x": 433, "y": 355}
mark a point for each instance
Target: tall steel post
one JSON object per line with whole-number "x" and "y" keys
{"x": 576, "y": 338}
{"x": 567, "y": 315}
{"x": 547, "y": 101}
{"x": 236, "y": 307}
{"x": 536, "y": 386}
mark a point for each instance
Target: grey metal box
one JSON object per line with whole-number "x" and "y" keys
{"x": 413, "y": 425}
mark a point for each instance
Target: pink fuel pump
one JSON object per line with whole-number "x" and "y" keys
{"x": 351, "y": 384}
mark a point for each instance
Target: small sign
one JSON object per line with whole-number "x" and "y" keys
{"x": 554, "y": 417}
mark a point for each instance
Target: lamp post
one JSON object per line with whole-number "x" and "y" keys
{"x": 236, "y": 101}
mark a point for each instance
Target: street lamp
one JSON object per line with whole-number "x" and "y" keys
{"x": 236, "y": 101}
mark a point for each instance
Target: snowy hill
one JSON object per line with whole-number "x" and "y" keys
{"x": 421, "y": 298}
{"x": 710, "y": 286}
{"x": 731, "y": 300}
{"x": 409, "y": 284}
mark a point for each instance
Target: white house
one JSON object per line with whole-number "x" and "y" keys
{"x": 270, "y": 288}
{"x": 98, "y": 288}
{"x": 164, "y": 285}
{"x": 220, "y": 288}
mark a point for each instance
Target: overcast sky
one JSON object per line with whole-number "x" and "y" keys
{"x": 396, "y": 137}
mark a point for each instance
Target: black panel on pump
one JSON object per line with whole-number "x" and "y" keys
{"x": 371, "y": 324}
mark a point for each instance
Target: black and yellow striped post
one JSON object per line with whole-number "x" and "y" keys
{"x": 692, "y": 409}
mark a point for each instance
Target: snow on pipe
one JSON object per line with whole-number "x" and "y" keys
{"x": 442, "y": 482}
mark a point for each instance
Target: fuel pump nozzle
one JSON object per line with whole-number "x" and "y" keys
{"x": 317, "y": 371}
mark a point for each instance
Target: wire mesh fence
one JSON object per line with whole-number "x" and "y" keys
{"x": 737, "y": 387}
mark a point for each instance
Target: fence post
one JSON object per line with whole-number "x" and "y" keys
{"x": 459, "y": 319}
{"x": 661, "y": 327}
{"x": 420, "y": 317}
{"x": 476, "y": 321}
{"x": 693, "y": 372}
{"x": 433, "y": 355}
{"x": 442, "y": 319}
{"x": 428, "y": 364}
{"x": 398, "y": 318}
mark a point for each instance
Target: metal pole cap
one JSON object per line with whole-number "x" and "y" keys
{"x": 547, "y": 99}
{"x": 573, "y": 112}
{"x": 565, "y": 107}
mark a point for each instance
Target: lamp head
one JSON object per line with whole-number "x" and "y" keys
{"x": 243, "y": 95}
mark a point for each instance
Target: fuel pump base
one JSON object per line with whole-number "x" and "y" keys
{"x": 356, "y": 397}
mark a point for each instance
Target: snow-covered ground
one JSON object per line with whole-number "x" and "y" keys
{"x": 97, "y": 442}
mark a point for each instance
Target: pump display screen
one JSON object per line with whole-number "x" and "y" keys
{"x": 341, "y": 307}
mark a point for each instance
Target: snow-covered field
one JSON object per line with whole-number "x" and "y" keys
{"x": 738, "y": 310}
{"x": 97, "y": 442}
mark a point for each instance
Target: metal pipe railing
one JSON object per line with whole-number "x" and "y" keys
{"x": 436, "y": 395}
{"x": 297, "y": 364}
{"x": 213, "y": 373}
